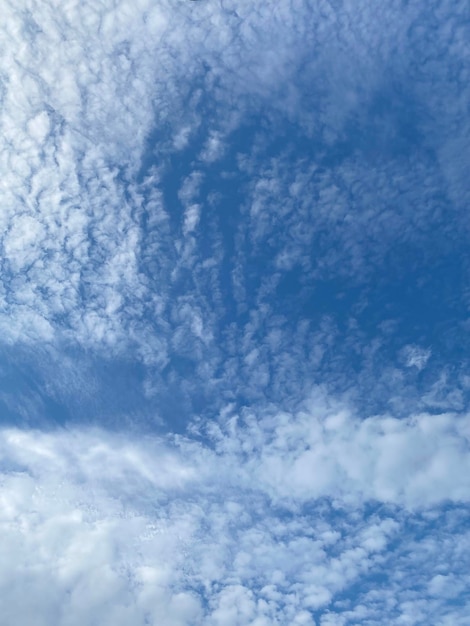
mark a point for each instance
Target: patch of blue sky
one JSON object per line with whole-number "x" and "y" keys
{"x": 404, "y": 287}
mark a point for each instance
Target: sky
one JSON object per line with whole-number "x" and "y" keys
{"x": 234, "y": 313}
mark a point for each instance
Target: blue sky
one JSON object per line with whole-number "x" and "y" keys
{"x": 234, "y": 313}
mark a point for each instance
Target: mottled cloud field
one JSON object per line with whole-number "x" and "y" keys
{"x": 234, "y": 308}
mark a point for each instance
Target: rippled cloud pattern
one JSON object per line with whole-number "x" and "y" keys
{"x": 234, "y": 313}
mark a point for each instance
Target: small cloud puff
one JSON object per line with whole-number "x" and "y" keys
{"x": 415, "y": 356}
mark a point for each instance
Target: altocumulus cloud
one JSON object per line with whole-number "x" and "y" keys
{"x": 234, "y": 216}
{"x": 83, "y": 87}
{"x": 100, "y": 528}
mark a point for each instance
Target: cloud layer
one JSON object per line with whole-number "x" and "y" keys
{"x": 316, "y": 518}
{"x": 245, "y": 223}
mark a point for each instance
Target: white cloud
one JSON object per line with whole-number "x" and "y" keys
{"x": 414, "y": 356}
{"x": 95, "y": 98}
{"x": 325, "y": 450}
{"x": 85, "y": 87}
{"x": 99, "y": 528}
{"x": 268, "y": 528}
{"x": 213, "y": 149}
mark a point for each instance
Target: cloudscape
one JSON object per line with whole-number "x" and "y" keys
{"x": 234, "y": 313}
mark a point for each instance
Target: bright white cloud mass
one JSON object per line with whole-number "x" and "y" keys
{"x": 234, "y": 313}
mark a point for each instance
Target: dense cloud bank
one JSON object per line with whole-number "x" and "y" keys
{"x": 275, "y": 522}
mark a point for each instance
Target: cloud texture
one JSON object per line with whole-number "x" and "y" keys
{"x": 234, "y": 307}
{"x": 101, "y": 528}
